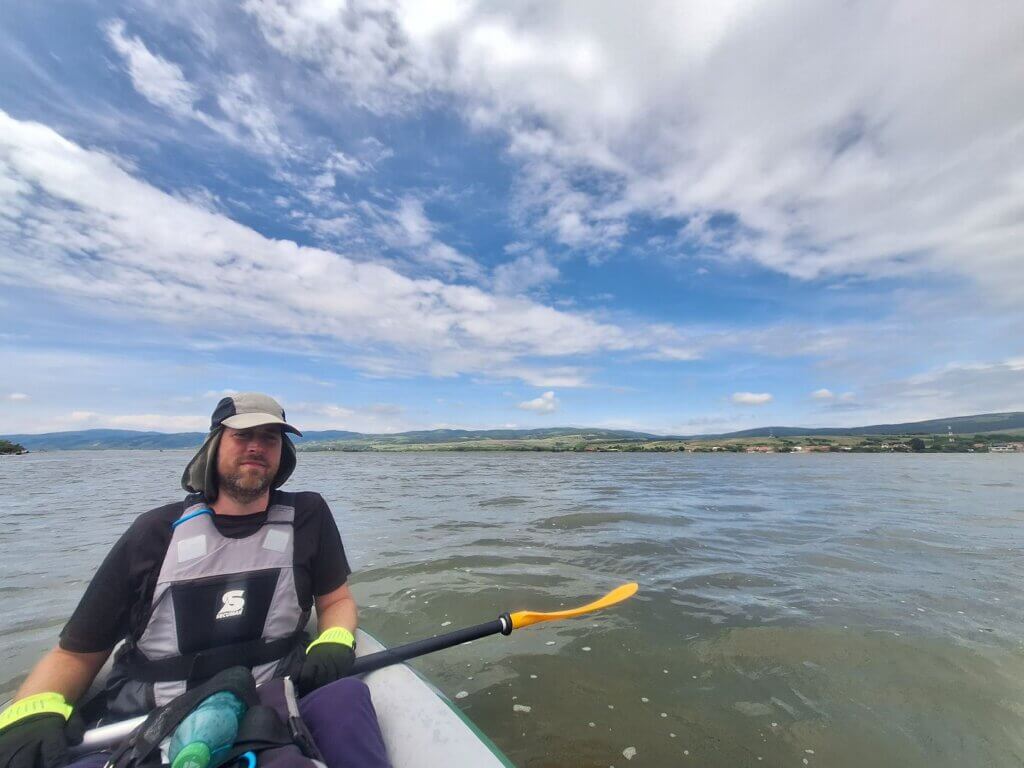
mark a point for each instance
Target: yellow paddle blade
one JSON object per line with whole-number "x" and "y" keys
{"x": 526, "y": 618}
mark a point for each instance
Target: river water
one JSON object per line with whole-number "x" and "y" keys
{"x": 829, "y": 610}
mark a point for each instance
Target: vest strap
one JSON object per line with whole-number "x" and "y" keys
{"x": 205, "y": 664}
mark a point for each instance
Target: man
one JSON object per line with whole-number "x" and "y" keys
{"x": 226, "y": 577}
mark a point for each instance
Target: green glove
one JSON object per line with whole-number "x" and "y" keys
{"x": 328, "y": 658}
{"x": 35, "y": 732}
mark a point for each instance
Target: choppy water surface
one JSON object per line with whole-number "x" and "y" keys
{"x": 822, "y": 610}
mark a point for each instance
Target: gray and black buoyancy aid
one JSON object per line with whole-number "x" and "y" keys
{"x": 218, "y": 602}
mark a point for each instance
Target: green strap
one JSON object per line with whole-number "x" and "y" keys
{"x": 338, "y": 635}
{"x": 36, "y": 704}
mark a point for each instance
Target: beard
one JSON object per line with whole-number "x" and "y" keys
{"x": 246, "y": 484}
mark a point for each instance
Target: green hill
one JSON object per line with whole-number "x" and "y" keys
{"x": 550, "y": 438}
{"x": 960, "y": 425}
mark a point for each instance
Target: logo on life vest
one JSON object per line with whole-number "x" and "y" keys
{"x": 234, "y": 604}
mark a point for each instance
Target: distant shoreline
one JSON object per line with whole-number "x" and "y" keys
{"x": 977, "y": 434}
{"x": 957, "y": 434}
{"x": 525, "y": 449}
{"x": 887, "y": 444}
{"x": 932, "y": 444}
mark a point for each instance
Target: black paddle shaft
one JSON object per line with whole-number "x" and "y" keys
{"x": 408, "y": 651}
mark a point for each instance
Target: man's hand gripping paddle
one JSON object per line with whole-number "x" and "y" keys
{"x": 106, "y": 735}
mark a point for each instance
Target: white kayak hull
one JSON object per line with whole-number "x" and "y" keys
{"x": 421, "y": 727}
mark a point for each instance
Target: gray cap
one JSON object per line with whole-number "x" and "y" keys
{"x": 250, "y": 409}
{"x": 242, "y": 411}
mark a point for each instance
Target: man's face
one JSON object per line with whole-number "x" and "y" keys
{"x": 248, "y": 460}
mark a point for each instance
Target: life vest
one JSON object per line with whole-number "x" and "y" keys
{"x": 218, "y": 602}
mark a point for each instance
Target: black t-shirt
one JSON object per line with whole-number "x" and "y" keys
{"x": 117, "y": 599}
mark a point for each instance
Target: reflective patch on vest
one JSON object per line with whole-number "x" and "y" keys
{"x": 190, "y": 549}
{"x": 276, "y": 540}
{"x": 233, "y": 603}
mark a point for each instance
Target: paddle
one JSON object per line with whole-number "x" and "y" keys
{"x": 107, "y": 735}
{"x": 503, "y": 625}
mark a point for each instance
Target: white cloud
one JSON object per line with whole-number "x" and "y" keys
{"x": 450, "y": 261}
{"x": 827, "y": 160}
{"x": 155, "y": 422}
{"x": 956, "y": 389}
{"x": 377, "y": 418}
{"x": 523, "y": 273}
{"x": 159, "y": 422}
{"x": 751, "y": 398}
{"x": 669, "y": 352}
{"x": 147, "y": 389}
{"x": 336, "y": 412}
{"x": 413, "y": 228}
{"x": 17, "y": 396}
{"x": 409, "y": 229}
{"x": 680, "y": 343}
{"x": 556, "y": 376}
{"x": 250, "y": 121}
{"x": 243, "y": 105}
{"x": 333, "y": 228}
{"x": 219, "y": 393}
{"x": 361, "y": 49}
{"x": 546, "y": 403}
{"x": 345, "y": 165}
{"x": 156, "y": 257}
{"x": 823, "y": 394}
{"x": 161, "y": 82}
{"x": 673, "y": 344}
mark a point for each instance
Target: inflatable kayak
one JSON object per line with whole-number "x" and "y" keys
{"x": 420, "y": 725}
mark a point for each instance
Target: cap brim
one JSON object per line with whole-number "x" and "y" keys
{"x": 250, "y": 420}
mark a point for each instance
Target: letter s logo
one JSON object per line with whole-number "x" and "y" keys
{"x": 233, "y": 604}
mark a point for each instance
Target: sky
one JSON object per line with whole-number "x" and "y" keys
{"x": 675, "y": 217}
